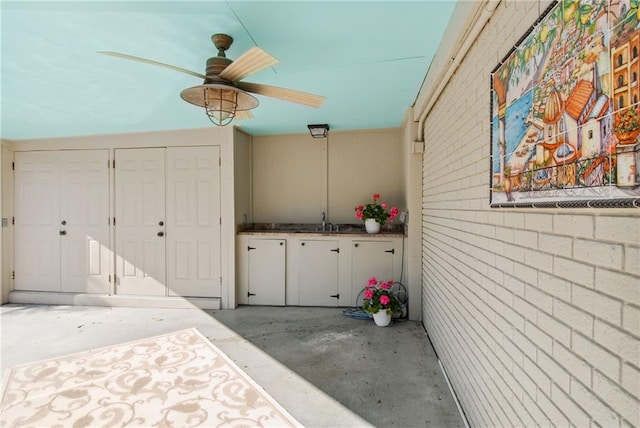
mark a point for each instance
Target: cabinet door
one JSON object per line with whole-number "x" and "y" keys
{"x": 84, "y": 218}
{"x": 319, "y": 273}
{"x": 140, "y": 219}
{"x": 266, "y": 261}
{"x": 193, "y": 221}
{"x": 371, "y": 259}
{"x": 37, "y": 221}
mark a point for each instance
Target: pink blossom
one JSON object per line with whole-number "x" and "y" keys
{"x": 372, "y": 281}
{"x": 393, "y": 213}
{"x": 376, "y": 196}
{"x": 359, "y": 215}
{"x": 386, "y": 285}
{"x": 368, "y": 293}
{"x": 384, "y": 299}
{"x": 384, "y": 205}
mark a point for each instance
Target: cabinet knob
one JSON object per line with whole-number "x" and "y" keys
{"x": 63, "y": 222}
{"x": 63, "y": 232}
{"x": 161, "y": 233}
{"x": 161, "y": 223}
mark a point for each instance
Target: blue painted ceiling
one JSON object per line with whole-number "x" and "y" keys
{"x": 368, "y": 58}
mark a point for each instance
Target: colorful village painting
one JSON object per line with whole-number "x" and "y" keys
{"x": 565, "y": 108}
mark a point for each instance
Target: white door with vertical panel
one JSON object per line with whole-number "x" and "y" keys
{"x": 140, "y": 221}
{"x": 319, "y": 273}
{"x": 193, "y": 221}
{"x": 84, "y": 220}
{"x": 37, "y": 227}
{"x": 62, "y": 231}
{"x": 266, "y": 264}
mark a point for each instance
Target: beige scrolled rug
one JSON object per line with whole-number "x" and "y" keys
{"x": 175, "y": 380}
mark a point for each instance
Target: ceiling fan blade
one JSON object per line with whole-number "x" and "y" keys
{"x": 310, "y": 100}
{"x": 253, "y": 60}
{"x": 152, "y": 62}
{"x": 243, "y": 115}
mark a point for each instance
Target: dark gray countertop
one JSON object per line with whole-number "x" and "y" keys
{"x": 342, "y": 229}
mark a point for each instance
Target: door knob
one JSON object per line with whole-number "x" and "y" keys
{"x": 161, "y": 223}
{"x": 63, "y": 232}
{"x": 64, "y": 222}
{"x": 160, "y": 233}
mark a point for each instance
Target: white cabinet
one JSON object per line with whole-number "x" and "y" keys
{"x": 371, "y": 258}
{"x": 168, "y": 221}
{"x": 264, "y": 282}
{"x": 318, "y": 273}
{"x": 314, "y": 270}
{"x": 61, "y": 219}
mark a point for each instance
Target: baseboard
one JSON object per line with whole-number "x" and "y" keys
{"x": 80, "y": 299}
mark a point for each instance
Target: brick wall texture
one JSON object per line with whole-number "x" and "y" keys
{"x": 534, "y": 313}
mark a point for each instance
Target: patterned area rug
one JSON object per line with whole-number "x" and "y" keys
{"x": 174, "y": 380}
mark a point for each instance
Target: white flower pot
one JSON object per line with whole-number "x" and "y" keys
{"x": 371, "y": 225}
{"x": 382, "y": 318}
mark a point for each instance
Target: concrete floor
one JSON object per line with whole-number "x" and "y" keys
{"x": 324, "y": 368}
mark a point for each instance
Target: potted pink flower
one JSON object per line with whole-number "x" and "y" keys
{"x": 375, "y": 214}
{"x": 380, "y": 301}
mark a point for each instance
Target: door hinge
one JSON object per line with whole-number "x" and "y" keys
{"x": 13, "y": 274}
{"x": 13, "y": 166}
{"x": 220, "y": 280}
{"x": 336, "y": 296}
{"x": 251, "y": 248}
{"x": 250, "y": 294}
{"x": 220, "y": 221}
{"x": 336, "y": 250}
{"x": 13, "y": 220}
{"x": 393, "y": 251}
{"x": 219, "y": 161}
{"x": 109, "y": 279}
{"x": 113, "y": 163}
{"x": 114, "y": 221}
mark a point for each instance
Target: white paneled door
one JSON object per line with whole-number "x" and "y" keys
{"x": 61, "y": 219}
{"x": 140, "y": 221}
{"x": 193, "y": 219}
{"x": 168, "y": 221}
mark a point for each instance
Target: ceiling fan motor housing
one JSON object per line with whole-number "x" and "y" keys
{"x": 215, "y": 66}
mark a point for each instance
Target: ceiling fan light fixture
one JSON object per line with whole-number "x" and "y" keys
{"x": 221, "y": 102}
{"x": 319, "y": 131}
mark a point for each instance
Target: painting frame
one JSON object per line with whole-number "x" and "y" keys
{"x": 564, "y": 101}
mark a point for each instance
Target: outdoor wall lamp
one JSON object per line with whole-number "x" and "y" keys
{"x": 319, "y": 131}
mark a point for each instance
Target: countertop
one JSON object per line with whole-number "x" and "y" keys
{"x": 315, "y": 229}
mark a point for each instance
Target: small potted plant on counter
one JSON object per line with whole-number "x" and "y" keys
{"x": 375, "y": 214}
{"x": 380, "y": 301}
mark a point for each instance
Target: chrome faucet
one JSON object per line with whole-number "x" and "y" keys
{"x": 324, "y": 221}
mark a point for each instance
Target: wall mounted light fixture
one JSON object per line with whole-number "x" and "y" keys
{"x": 319, "y": 131}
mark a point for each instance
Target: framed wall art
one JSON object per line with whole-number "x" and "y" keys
{"x": 565, "y": 106}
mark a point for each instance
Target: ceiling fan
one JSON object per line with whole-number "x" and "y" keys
{"x": 223, "y": 94}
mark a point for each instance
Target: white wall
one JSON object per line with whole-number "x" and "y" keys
{"x": 534, "y": 313}
{"x": 296, "y": 177}
{"x": 6, "y": 210}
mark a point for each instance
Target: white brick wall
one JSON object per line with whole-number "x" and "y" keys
{"x": 534, "y": 313}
